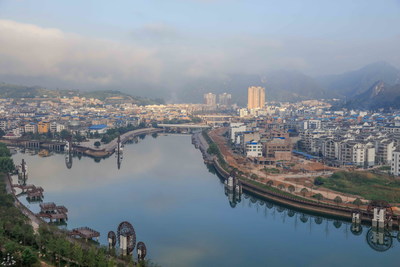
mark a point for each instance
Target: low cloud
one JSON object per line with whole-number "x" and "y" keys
{"x": 159, "y": 59}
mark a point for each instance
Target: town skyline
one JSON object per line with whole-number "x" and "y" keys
{"x": 137, "y": 48}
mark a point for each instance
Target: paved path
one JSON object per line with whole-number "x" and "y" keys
{"x": 35, "y": 221}
{"x": 110, "y": 147}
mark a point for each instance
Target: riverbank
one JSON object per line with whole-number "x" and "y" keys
{"x": 295, "y": 201}
{"x": 107, "y": 150}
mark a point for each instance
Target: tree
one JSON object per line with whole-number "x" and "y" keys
{"x": 304, "y": 191}
{"x": 28, "y": 257}
{"x": 97, "y": 144}
{"x": 281, "y": 187}
{"x": 6, "y": 164}
{"x": 357, "y": 202}
{"x": 319, "y": 181}
{"x": 270, "y": 183}
{"x": 64, "y": 134}
{"x": 338, "y": 200}
{"x": 318, "y": 196}
{"x": 254, "y": 176}
{"x": 291, "y": 188}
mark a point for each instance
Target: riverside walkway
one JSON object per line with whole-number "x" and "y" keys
{"x": 108, "y": 149}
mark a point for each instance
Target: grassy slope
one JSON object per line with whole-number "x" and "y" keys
{"x": 368, "y": 185}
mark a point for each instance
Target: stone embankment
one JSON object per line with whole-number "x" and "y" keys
{"x": 297, "y": 202}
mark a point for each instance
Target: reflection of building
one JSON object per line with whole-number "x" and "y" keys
{"x": 119, "y": 151}
{"x": 68, "y": 153}
{"x": 233, "y": 190}
{"x": 210, "y": 99}
{"x": 255, "y": 97}
{"x": 379, "y": 240}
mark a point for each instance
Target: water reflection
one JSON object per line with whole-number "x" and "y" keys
{"x": 378, "y": 240}
{"x": 174, "y": 194}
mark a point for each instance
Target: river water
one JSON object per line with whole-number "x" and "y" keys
{"x": 181, "y": 211}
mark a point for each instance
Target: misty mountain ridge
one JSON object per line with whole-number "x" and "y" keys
{"x": 289, "y": 85}
{"x": 355, "y": 82}
{"x": 379, "y": 95}
{"x": 21, "y": 91}
{"x": 280, "y": 85}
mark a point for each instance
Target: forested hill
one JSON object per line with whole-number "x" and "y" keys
{"x": 20, "y": 91}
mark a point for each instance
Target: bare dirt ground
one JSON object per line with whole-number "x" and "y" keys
{"x": 301, "y": 175}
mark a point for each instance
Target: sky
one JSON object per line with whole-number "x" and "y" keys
{"x": 163, "y": 44}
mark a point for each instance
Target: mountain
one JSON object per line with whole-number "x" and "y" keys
{"x": 379, "y": 95}
{"x": 279, "y": 86}
{"x": 20, "y": 91}
{"x": 356, "y": 82}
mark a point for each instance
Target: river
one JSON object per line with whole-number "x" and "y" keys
{"x": 180, "y": 210}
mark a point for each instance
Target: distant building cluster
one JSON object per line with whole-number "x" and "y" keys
{"x": 354, "y": 139}
{"x": 19, "y": 117}
{"x": 224, "y": 100}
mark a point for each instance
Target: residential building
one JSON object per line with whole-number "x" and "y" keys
{"x": 395, "y": 167}
{"x": 210, "y": 99}
{"x": 255, "y": 97}
{"x": 253, "y": 149}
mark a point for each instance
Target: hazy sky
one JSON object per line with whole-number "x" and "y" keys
{"x": 163, "y": 43}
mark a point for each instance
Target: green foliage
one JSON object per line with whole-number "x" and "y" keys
{"x": 304, "y": 191}
{"x": 365, "y": 184}
{"x": 270, "y": 170}
{"x": 4, "y": 151}
{"x": 213, "y": 149}
{"x": 291, "y": 188}
{"x": 357, "y": 202}
{"x": 338, "y": 200}
{"x": 18, "y": 238}
{"x": 254, "y": 176}
{"x": 97, "y": 144}
{"x": 319, "y": 181}
{"x": 385, "y": 168}
{"x": 6, "y": 164}
{"x": 318, "y": 196}
{"x": 28, "y": 257}
{"x": 64, "y": 134}
{"x": 113, "y": 133}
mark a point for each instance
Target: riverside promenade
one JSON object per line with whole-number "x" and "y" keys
{"x": 34, "y": 220}
{"x": 300, "y": 203}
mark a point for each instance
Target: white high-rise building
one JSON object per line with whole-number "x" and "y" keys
{"x": 225, "y": 99}
{"x": 210, "y": 99}
{"x": 395, "y": 168}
